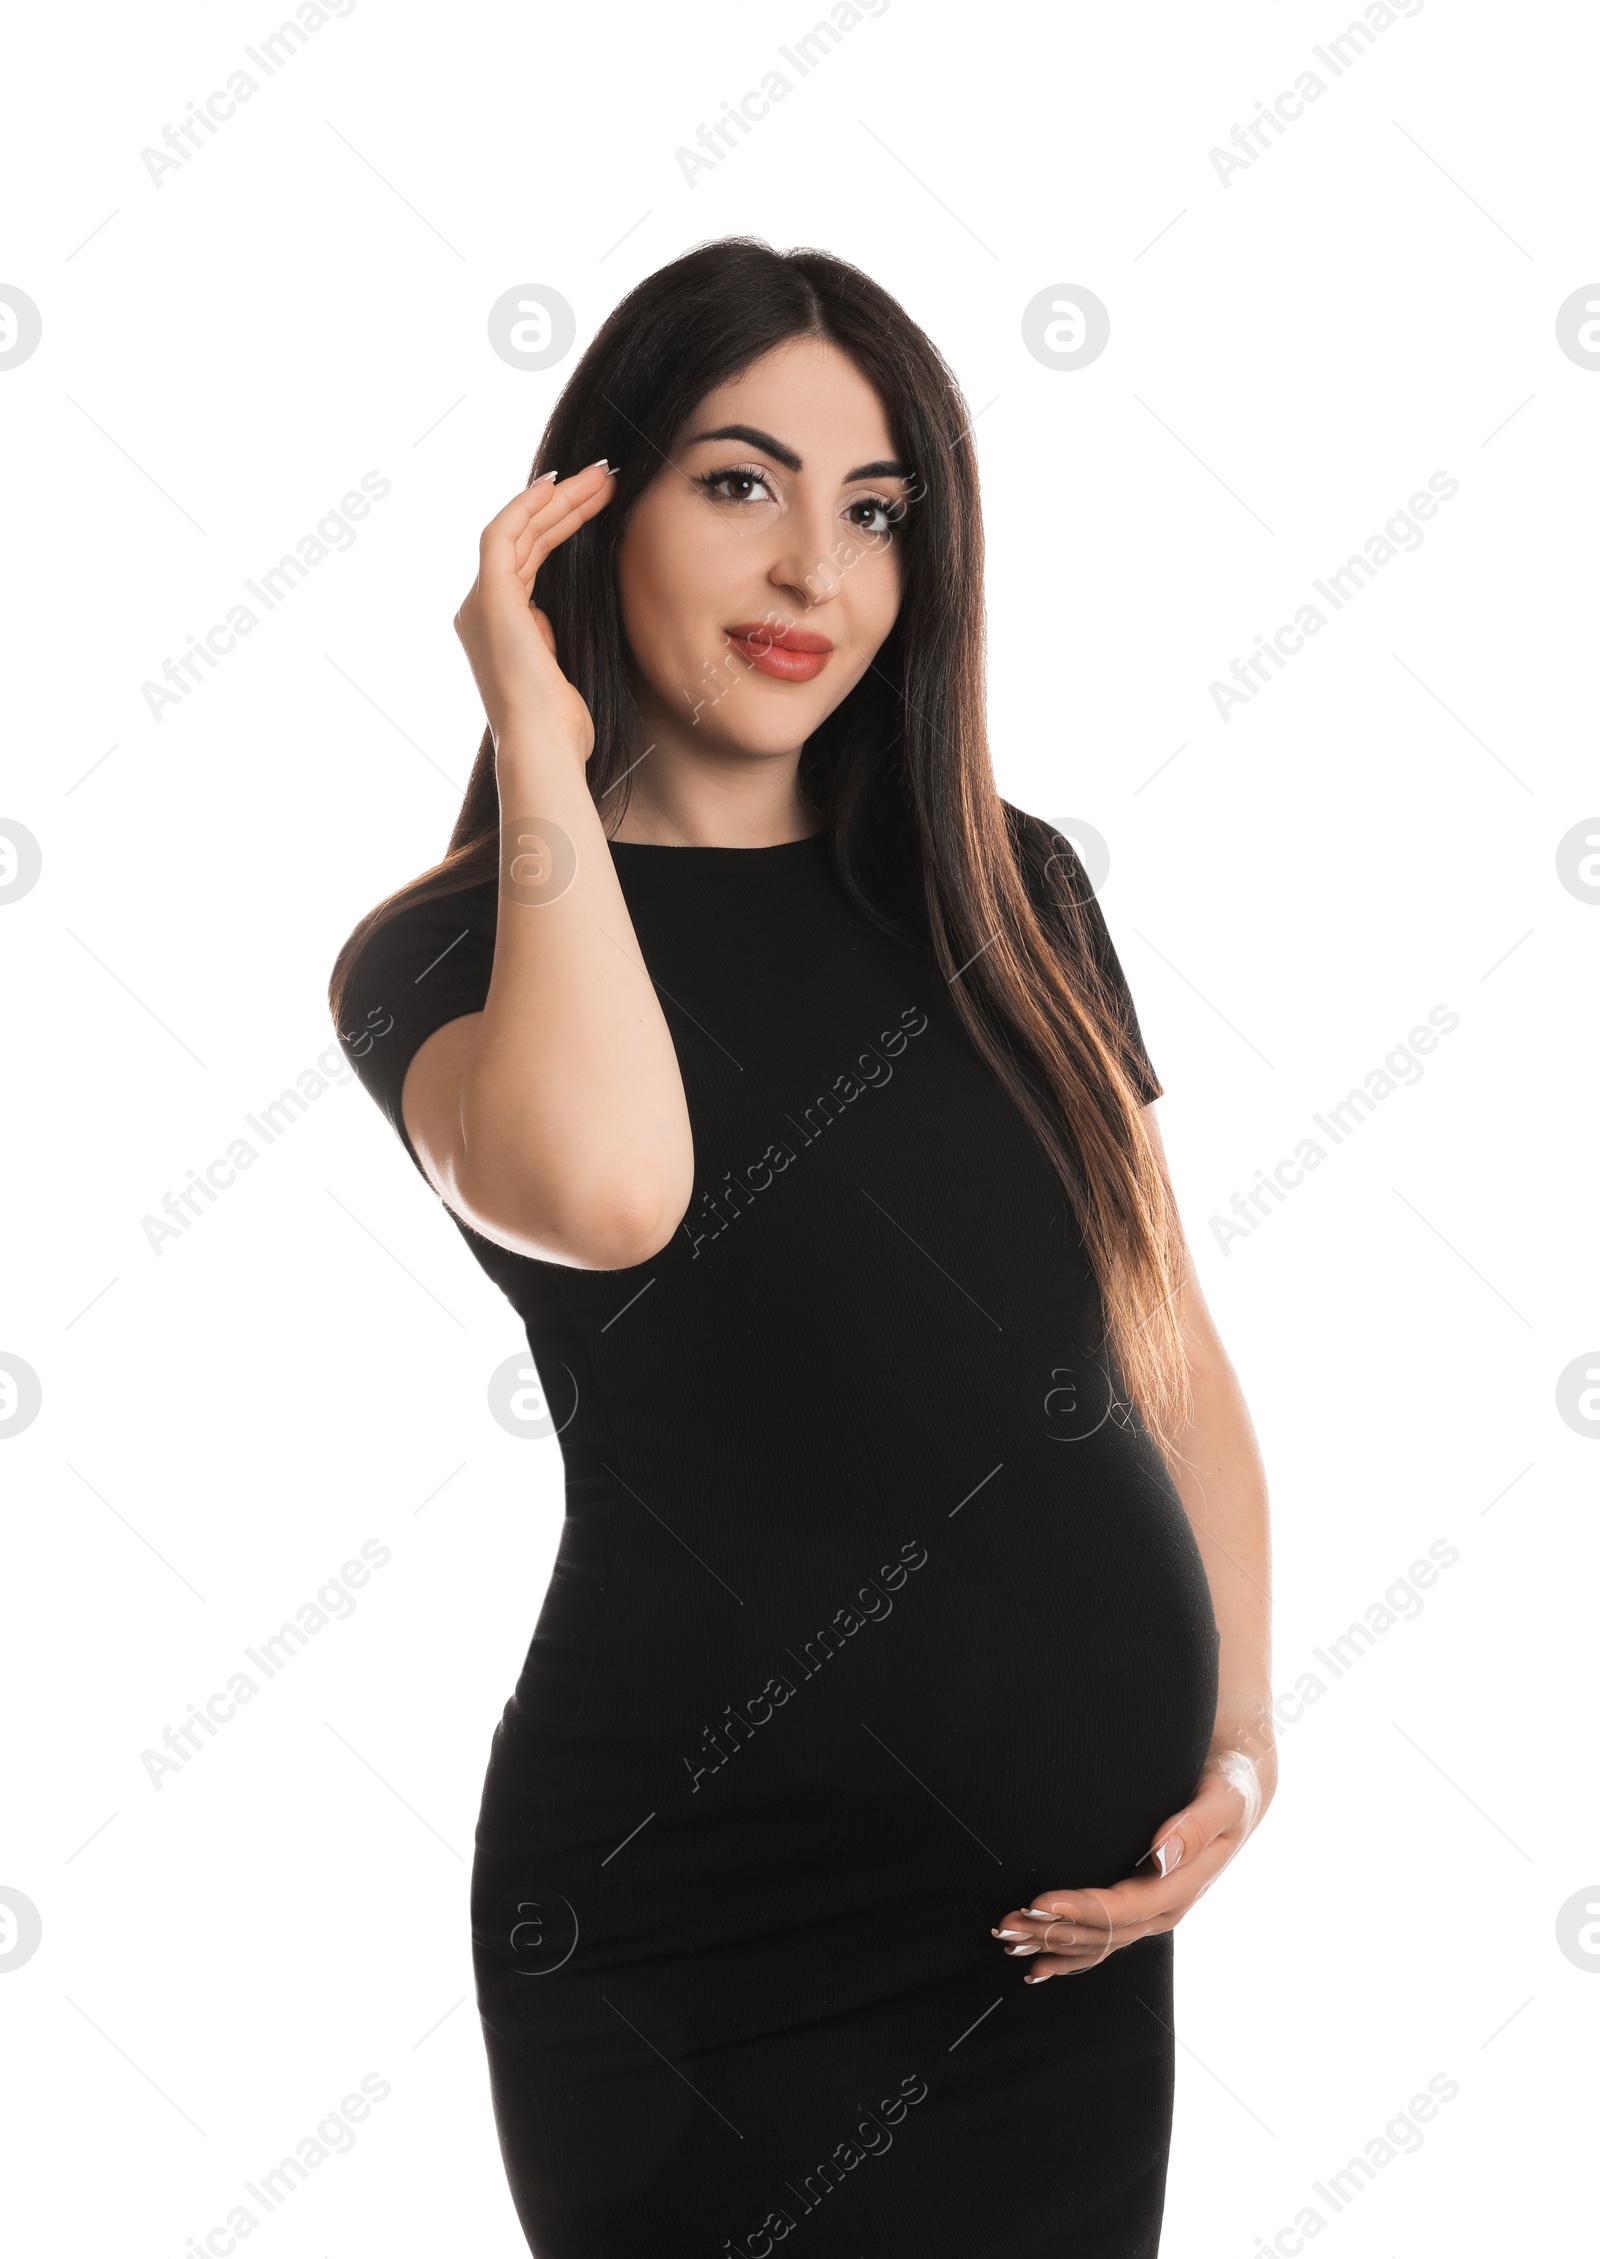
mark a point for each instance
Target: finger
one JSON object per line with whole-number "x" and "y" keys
{"x": 1079, "y": 1964}
{"x": 548, "y": 510}
{"x": 1069, "y": 1940}
{"x": 510, "y": 523}
{"x": 1218, "y": 1807}
{"x": 1181, "y": 1837}
{"x": 543, "y": 536}
{"x": 1071, "y": 1946}
{"x": 1076, "y": 1962}
{"x": 1123, "y": 1905}
{"x": 1116, "y": 1907}
{"x": 1077, "y": 1947}
{"x": 569, "y": 503}
{"x": 535, "y": 499}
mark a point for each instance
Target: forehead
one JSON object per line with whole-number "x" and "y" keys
{"x": 808, "y": 393}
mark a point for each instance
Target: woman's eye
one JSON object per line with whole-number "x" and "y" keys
{"x": 735, "y": 486}
{"x": 879, "y": 515}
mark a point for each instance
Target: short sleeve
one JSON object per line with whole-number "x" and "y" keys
{"x": 425, "y": 965}
{"x": 1061, "y": 889}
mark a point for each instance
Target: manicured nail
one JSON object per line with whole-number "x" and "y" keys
{"x": 544, "y": 478}
{"x": 1169, "y": 1853}
{"x": 1008, "y": 1933}
{"x": 1038, "y": 1976}
{"x": 1022, "y": 1951}
{"x": 600, "y": 463}
{"x": 1045, "y": 1913}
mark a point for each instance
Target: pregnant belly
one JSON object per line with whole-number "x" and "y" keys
{"x": 874, "y": 1705}
{"x": 790, "y": 1802}
{"x": 1043, "y": 1710}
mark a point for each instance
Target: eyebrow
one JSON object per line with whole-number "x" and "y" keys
{"x": 888, "y": 468}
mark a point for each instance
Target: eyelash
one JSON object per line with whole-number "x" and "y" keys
{"x": 709, "y": 481}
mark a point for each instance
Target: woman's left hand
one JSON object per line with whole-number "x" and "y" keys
{"x": 1065, "y": 1931}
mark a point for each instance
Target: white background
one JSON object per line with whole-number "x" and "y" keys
{"x": 1291, "y": 356}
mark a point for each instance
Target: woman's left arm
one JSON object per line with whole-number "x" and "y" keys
{"x": 1223, "y": 1486}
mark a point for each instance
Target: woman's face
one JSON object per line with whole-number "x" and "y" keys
{"x": 761, "y": 568}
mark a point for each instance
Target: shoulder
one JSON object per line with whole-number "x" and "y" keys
{"x": 1052, "y": 871}
{"x": 1026, "y": 831}
{"x": 421, "y": 963}
{"x": 1069, "y": 910}
{"x": 404, "y": 926}
{"x": 467, "y": 905}
{"x": 422, "y": 960}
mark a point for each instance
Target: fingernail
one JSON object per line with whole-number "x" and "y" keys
{"x": 600, "y": 463}
{"x": 1169, "y": 1853}
{"x": 1038, "y": 1976}
{"x": 1021, "y": 1951}
{"x": 1008, "y": 1933}
{"x": 1045, "y": 1913}
{"x": 544, "y": 477}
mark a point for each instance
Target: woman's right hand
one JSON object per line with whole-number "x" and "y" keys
{"x": 509, "y": 642}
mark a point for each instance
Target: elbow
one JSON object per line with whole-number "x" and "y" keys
{"x": 625, "y": 1226}
{"x": 601, "y": 1224}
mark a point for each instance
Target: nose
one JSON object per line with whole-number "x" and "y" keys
{"x": 803, "y": 566}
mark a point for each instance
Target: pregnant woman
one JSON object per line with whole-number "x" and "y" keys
{"x": 902, "y": 1676}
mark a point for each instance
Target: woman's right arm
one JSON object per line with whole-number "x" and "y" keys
{"x": 553, "y": 1121}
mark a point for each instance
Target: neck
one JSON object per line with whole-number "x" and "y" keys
{"x": 707, "y": 799}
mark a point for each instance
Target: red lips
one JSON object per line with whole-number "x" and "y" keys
{"x": 789, "y": 654}
{"x": 786, "y": 638}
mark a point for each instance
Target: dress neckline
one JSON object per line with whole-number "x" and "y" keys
{"x": 811, "y": 839}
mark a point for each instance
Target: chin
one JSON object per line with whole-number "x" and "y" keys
{"x": 764, "y": 717}
{"x": 770, "y": 742}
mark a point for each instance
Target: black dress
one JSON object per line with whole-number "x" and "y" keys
{"x": 875, "y": 1612}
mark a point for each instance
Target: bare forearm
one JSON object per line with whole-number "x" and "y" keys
{"x": 572, "y": 1105}
{"x": 554, "y": 1119}
{"x": 1223, "y": 1487}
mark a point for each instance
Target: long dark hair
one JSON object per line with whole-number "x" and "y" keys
{"x": 899, "y": 771}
